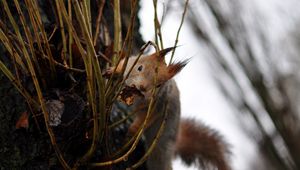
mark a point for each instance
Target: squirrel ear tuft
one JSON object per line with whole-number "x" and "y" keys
{"x": 175, "y": 68}
{"x": 160, "y": 55}
{"x": 165, "y": 51}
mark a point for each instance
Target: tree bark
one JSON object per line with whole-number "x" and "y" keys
{"x": 30, "y": 148}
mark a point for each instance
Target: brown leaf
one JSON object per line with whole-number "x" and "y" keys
{"x": 23, "y": 121}
{"x": 128, "y": 95}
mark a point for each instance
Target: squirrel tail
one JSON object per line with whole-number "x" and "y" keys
{"x": 202, "y": 146}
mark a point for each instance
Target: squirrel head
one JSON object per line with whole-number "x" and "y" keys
{"x": 149, "y": 71}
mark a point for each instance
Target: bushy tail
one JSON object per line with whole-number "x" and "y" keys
{"x": 202, "y": 146}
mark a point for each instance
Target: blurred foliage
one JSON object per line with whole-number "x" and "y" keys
{"x": 249, "y": 70}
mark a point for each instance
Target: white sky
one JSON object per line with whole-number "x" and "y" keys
{"x": 200, "y": 96}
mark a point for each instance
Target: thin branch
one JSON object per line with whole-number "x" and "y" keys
{"x": 155, "y": 140}
{"x": 98, "y": 21}
{"x": 177, "y": 35}
{"x": 117, "y": 31}
{"x": 157, "y": 27}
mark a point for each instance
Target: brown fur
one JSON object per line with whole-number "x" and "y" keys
{"x": 190, "y": 140}
{"x": 199, "y": 144}
{"x": 175, "y": 68}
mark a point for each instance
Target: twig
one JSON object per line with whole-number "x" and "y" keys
{"x": 157, "y": 27}
{"x": 98, "y": 21}
{"x": 63, "y": 35}
{"x": 17, "y": 84}
{"x": 9, "y": 47}
{"x": 93, "y": 71}
{"x": 155, "y": 140}
{"x": 181, "y": 23}
{"x": 139, "y": 135}
{"x": 30, "y": 40}
{"x": 37, "y": 86}
{"x": 120, "y": 84}
{"x": 117, "y": 31}
{"x": 121, "y": 120}
{"x": 43, "y": 37}
{"x": 128, "y": 40}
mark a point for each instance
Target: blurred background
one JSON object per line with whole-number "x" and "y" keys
{"x": 243, "y": 78}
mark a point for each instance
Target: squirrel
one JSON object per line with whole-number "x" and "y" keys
{"x": 189, "y": 139}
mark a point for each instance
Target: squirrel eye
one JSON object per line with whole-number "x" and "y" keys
{"x": 140, "y": 68}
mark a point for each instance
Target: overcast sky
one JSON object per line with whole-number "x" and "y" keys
{"x": 199, "y": 92}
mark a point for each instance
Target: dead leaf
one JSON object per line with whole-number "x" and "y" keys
{"x": 128, "y": 95}
{"x": 23, "y": 121}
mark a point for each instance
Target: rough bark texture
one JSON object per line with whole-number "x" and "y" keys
{"x": 31, "y": 148}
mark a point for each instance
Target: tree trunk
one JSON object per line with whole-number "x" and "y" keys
{"x": 23, "y": 147}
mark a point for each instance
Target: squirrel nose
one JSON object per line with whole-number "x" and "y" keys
{"x": 140, "y": 87}
{"x": 132, "y": 85}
